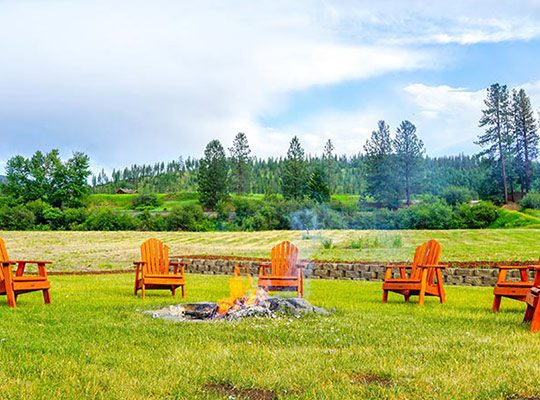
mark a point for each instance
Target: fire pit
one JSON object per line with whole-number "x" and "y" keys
{"x": 241, "y": 303}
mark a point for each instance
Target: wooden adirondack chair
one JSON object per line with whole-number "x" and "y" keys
{"x": 425, "y": 277}
{"x": 153, "y": 272}
{"x": 532, "y": 314}
{"x": 13, "y": 285}
{"x": 517, "y": 290}
{"x": 284, "y": 273}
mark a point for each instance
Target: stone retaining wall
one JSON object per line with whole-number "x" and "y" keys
{"x": 356, "y": 271}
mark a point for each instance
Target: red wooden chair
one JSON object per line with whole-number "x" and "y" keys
{"x": 153, "y": 271}
{"x": 532, "y": 314}
{"x": 13, "y": 285}
{"x": 284, "y": 273}
{"x": 517, "y": 290}
{"x": 425, "y": 277}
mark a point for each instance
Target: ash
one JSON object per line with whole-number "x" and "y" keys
{"x": 270, "y": 307}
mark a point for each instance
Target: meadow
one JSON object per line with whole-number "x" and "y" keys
{"x": 79, "y": 251}
{"x": 93, "y": 343}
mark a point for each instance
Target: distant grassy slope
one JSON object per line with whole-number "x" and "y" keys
{"x": 125, "y": 201}
{"x": 115, "y": 250}
{"x": 517, "y": 219}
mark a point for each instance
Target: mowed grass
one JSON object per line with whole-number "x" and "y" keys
{"x": 77, "y": 251}
{"x": 93, "y": 343}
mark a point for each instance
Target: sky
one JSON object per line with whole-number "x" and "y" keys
{"x": 144, "y": 81}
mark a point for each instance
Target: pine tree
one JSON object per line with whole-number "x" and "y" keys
{"x": 240, "y": 164}
{"x": 293, "y": 180}
{"x": 329, "y": 162}
{"x": 497, "y": 137}
{"x": 525, "y": 137}
{"x": 379, "y": 168}
{"x": 212, "y": 176}
{"x": 409, "y": 154}
{"x": 317, "y": 187}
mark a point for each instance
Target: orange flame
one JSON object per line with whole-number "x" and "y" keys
{"x": 241, "y": 293}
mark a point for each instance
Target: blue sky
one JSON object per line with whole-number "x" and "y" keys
{"x": 136, "y": 81}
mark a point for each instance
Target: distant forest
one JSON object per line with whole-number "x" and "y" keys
{"x": 349, "y": 177}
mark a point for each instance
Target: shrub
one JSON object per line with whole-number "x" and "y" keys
{"x": 108, "y": 220}
{"x": 455, "y": 195}
{"x": 152, "y": 222}
{"x": 327, "y": 243}
{"x": 435, "y": 215}
{"x": 74, "y": 218}
{"x": 530, "y": 200}
{"x": 479, "y": 216}
{"x": 146, "y": 200}
{"x": 186, "y": 218}
{"x": 18, "y": 218}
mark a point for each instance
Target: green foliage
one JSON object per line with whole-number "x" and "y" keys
{"x": 455, "y": 195}
{"x": 376, "y": 242}
{"x": 146, "y": 200}
{"x": 317, "y": 187}
{"x": 46, "y": 177}
{"x": 293, "y": 177}
{"x": 514, "y": 219}
{"x": 212, "y": 176}
{"x": 187, "y": 218}
{"x": 435, "y": 215}
{"x": 530, "y": 200}
{"x": 409, "y": 151}
{"x": 327, "y": 243}
{"x": 108, "y": 220}
{"x": 16, "y": 218}
{"x": 478, "y": 216}
{"x": 382, "y": 181}
{"x": 240, "y": 164}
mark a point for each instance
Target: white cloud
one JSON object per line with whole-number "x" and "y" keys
{"x": 137, "y": 81}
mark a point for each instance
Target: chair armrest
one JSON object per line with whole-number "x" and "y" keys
{"x": 398, "y": 266}
{"x": 433, "y": 266}
{"x": 179, "y": 263}
{"x": 517, "y": 266}
{"x": 31, "y": 262}
{"x": 182, "y": 265}
{"x": 137, "y": 263}
{"x": 263, "y": 267}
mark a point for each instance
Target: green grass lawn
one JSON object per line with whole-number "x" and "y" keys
{"x": 74, "y": 251}
{"x": 93, "y": 343}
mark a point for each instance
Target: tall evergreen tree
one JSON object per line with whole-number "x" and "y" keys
{"x": 525, "y": 137}
{"x": 497, "y": 139}
{"x": 329, "y": 163}
{"x": 240, "y": 164}
{"x": 409, "y": 154}
{"x": 379, "y": 168}
{"x": 317, "y": 186}
{"x": 293, "y": 179}
{"x": 212, "y": 176}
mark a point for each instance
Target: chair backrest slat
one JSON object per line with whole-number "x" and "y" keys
{"x": 284, "y": 259}
{"x": 156, "y": 257}
{"x": 426, "y": 254}
{"x": 3, "y": 256}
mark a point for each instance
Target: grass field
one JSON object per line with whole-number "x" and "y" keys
{"x": 92, "y": 343}
{"x": 74, "y": 251}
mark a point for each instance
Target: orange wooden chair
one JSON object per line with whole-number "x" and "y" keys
{"x": 532, "y": 314}
{"x": 284, "y": 273}
{"x": 517, "y": 290}
{"x": 153, "y": 271}
{"x": 13, "y": 285}
{"x": 425, "y": 277}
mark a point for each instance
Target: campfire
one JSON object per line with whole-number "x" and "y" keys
{"x": 243, "y": 301}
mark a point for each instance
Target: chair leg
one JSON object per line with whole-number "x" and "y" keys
{"x": 46, "y": 296}
{"x": 535, "y": 323}
{"x": 173, "y": 291}
{"x": 136, "y": 289}
{"x": 423, "y": 287}
{"x": 142, "y": 291}
{"x": 183, "y": 291}
{"x": 496, "y": 304}
{"x": 385, "y": 296}
{"x": 407, "y": 298}
{"x": 12, "y": 302}
{"x": 528, "y": 314}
